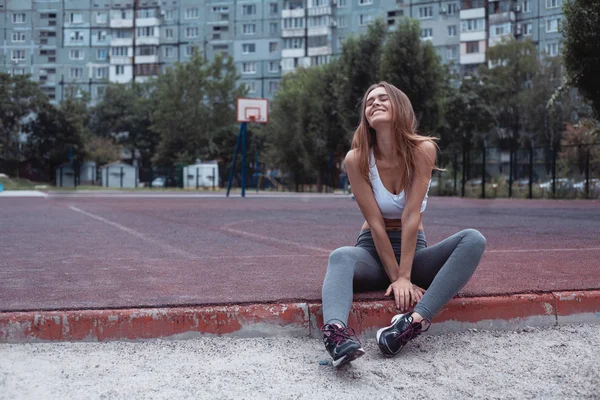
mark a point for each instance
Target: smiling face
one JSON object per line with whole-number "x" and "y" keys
{"x": 378, "y": 108}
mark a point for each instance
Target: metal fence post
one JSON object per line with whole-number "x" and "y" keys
{"x": 483, "y": 162}
{"x": 197, "y": 177}
{"x": 455, "y": 171}
{"x": 587, "y": 173}
{"x": 213, "y": 179}
{"x": 530, "y": 172}
{"x": 554, "y": 151}
{"x": 121, "y": 177}
{"x": 510, "y": 171}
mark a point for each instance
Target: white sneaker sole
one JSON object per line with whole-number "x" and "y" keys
{"x": 344, "y": 360}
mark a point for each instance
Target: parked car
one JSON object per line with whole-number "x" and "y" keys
{"x": 159, "y": 182}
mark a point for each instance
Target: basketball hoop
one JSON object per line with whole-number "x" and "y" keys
{"x": 252, "y": 118}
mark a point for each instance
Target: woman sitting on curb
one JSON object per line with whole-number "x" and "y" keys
{"x": 390, "y": 168}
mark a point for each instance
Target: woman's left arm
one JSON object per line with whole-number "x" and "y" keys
{"x": 425, "y": 157}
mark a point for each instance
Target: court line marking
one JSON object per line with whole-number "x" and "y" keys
{"x": 227, "y": 228}
{"x": 542, "y": 250}
{"x": 138, "y": 235}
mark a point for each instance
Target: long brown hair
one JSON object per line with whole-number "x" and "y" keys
{"x": 405, "y": 141}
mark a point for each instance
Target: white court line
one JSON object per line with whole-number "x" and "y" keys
{"x": 180, "y": 252}
{"x": 227, "y": 228}
{"x": 541, "y": 250}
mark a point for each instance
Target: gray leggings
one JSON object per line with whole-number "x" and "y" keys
{"x": 442, "y": 270}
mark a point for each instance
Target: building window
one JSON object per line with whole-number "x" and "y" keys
{"x": 189, "y": 50}
{"x": 527, "y": 29}
{"x": 273, "y": 66}
{"x": 526, "y": 5}
{"x": 293, "y": 23}
{"x": 552, "y": 49}
{"x": 169, "y": 33}
{"x": 101, "y": 54}
{"x": 77, "y": 37}
{"x": 192, "y": 32}
{"x": 122, "y": 34}
{"x": 120, "y": 70}
{"x": 76, "y": 18}
{"x": 251, "y": 87}
{"x": 248, "y": 48}
{"x": 18, "y": 18}
{"x": 553, "y": 3}
{"x": 470, "y": 25}
{"x": 145, "y": 31}
{"x": 472, "y": 47}
{"x": 191, "y": 13}
{"x": 293, "y": 43}
{"x": 17, "y": 55}
{"x": 168, "y": 52}
{"x": 452, "y": 53}
{"x": 552, "y": 25}
{"x": 273, "y": 8}
{"x": 101, "y": 36}
{"x": 427, "y": 33}
{"x": 319, "y": 60}
{"x": 76, "y": 54}
{"x": 101, "y": 72}
{"x": 248, "y": 68}
{"x": 342, "y": 22}
{"x": 147, "y": 51}
{"x": 273, "y": 86}
{"x": 75, "y": 72}
{"x": 273, "y": 28}
{"x": 453, "y": 8}
{"x": 364, "y": 19}
{"x": 249, "y": 29}
{"x": 101, "y": 17}
{"x": 364, "y": 2}
{"x": 425, "y": 12}
{"x": 342, "y": 3}
{"x": 220, "y": 9}
{"x": 273, "y": 47}
{"x": 249, "y": 9}
{"x": 18, "y": 37}
{"x": 169, "y": 15}
{"x": 119, "y": 51}
{"x": 321, "y": 20}
{"x": 317, "y": 41}
{"x": 451, "y": 30}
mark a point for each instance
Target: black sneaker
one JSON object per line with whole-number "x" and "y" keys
{"x": 393, "y": 338}
{"x": 341, "y": 343}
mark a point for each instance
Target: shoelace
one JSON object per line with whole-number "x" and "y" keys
{"x": 338, "y": 335}
{"x": 414, "y": 330}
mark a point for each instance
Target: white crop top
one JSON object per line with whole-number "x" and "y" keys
{"x": 391, "y": 205}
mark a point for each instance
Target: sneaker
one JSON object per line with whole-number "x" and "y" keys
{"x": 393, "y": 338}
{"x": 341, "y": 343}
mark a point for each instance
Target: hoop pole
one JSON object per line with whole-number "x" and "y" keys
{"x": 237, "y": 145}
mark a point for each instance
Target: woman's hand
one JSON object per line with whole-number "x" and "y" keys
{"x": 405, "y": 293}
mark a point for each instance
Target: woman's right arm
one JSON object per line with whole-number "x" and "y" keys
{"x": 361, "y": 189}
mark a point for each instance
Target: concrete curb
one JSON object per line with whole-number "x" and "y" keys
{"x": 292, "y": 319}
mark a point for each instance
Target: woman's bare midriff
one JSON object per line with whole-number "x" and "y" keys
{"x": 390, "y": 225}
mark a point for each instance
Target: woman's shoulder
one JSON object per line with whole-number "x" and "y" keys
{"x": 427, "y": 151}
{"x": 351, "y": 158}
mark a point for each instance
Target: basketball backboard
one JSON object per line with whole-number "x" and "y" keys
{"x": 252, "y": 110}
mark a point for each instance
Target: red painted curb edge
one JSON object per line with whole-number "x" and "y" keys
{"x": 293, "y": 319}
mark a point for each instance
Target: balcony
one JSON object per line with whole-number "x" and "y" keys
{"x": 139, "y": 22}
{"x": 146, "y": 59}
{"x": 147, "y": 41}
{"x": 292, "y": 53}
{"x": 297, "y": 13}
{"x": 320, "y": 51}
{"x": 472, "y": 58}
{"x": 473, "y": 36}
{"x": 472, "y": 13}
{"x": 292, "y": 32}
{"x": 120, "y": 60}
{"x": 121, "y": 42}
{"x": 318, "y": 31}
{"x": 499, "y": 18}
{"x": 320, "y": 10}
{"x": 121, "y": 23}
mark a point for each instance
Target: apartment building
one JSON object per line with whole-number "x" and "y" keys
{"x": 85, "y": 44}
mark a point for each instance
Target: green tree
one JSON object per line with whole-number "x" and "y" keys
{"x": 582, "y": 47}
{"x": 123, "y": 115}
{"x": 195, "y": 111}
{"x": 414, "y": 67}
{"x": 53, "y": 138}
{"x": 507, "y": 83}
{"x": 358, "y": 69}
{"x": 20, "y": 98}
